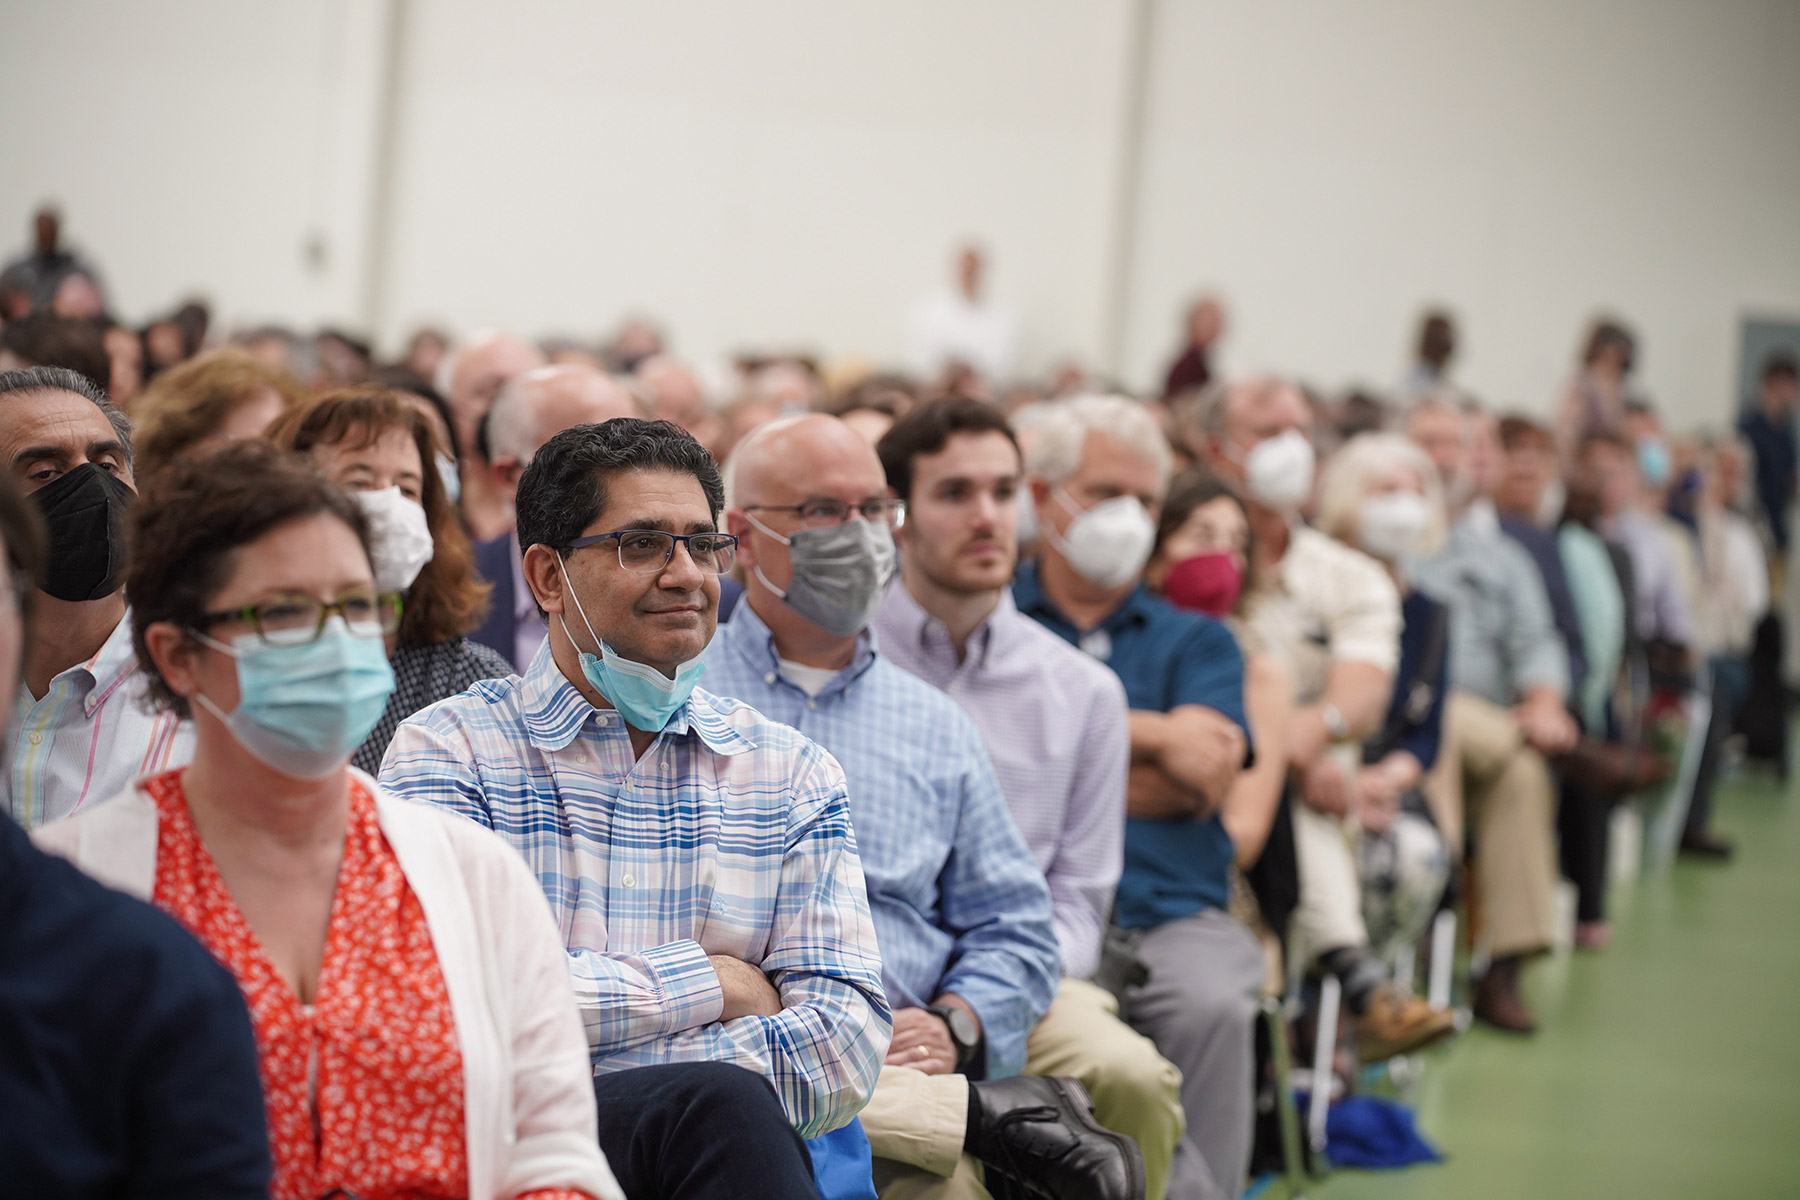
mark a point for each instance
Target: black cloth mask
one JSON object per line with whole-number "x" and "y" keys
{"x": 84, "y": 511}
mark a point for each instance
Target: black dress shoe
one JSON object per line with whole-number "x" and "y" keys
{"x": 1707, "y": 845}
{"x": 1039, "y": 1133}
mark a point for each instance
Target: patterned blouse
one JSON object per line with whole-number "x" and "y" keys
{"x": 364, "y": 1087}
{"x": 423, "y": 675}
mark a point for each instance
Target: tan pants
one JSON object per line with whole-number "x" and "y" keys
{"x": 916, "y": 1123}
{"x": 1328, "y": 915}
{"x": 1509, "y": 799}
{"x": 1136, "y": 1091}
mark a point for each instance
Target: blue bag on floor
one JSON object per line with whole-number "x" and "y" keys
{"x": 1375, "y": 1133}
{"x": 843, "y": 1166}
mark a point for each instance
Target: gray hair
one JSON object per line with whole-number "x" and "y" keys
{"x": 61, "y": 379}
{"x": 1064, "y": 427}
{"x": 1357, "y": 467}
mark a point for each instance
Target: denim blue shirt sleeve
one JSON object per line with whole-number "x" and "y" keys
{"x": 960, "y": 905}
{"x": 731, "y": 835}
{"x": 1165, "y": 658}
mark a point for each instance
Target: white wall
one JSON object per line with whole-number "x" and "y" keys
{"x": 793, "y": 174}
{"x": 796, "y": 173}
{"x": 1333, "y": 167}
{"x": 198, "y": 146}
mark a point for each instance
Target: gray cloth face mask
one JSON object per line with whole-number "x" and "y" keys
{"x": 839, "y": 573}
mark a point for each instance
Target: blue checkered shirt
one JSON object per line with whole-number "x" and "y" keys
{"x": 960, "y": 904}
{"x": 731, "y": 835}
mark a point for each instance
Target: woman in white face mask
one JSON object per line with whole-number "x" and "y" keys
{"x": 1380, "y": 494}
{"x": 376, "y": 445}
{"x": 414, "y": 1024}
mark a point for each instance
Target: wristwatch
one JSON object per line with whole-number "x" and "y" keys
{"x": 965, "y": 1031}
{"x": 1335, "y": 724}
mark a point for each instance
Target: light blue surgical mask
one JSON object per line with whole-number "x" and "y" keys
{"x": 304, "y": 709}
{"x": 1653, "y": 461}
{"x": 643, "y": 695}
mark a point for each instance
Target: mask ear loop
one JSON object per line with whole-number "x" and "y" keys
{"x": 1049, "y": 530}
{"x": 569, "y": 588}
{"x": 780, "y": 593}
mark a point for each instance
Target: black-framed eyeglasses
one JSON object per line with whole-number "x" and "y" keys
{"x": 298, "y": 620}
{"x": 823, "y": 514}
{"x": 652, "y": 549}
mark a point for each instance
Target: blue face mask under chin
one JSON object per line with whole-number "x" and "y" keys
{"x": 304, "y": 709}
{"x": 643, "y": 695}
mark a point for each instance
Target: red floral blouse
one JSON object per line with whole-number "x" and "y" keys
{"x": 364, "y": 1088}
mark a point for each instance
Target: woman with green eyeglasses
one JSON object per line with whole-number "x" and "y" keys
{"x": 415, "y": 1027}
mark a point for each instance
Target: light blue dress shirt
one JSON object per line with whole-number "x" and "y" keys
{"x": 959, "y": 902}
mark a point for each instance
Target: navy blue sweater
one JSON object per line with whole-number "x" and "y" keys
{"x": 127, "y": 1062}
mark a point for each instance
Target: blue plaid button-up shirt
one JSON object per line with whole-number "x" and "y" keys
{"x": 960, "y": 904}
{"x": 731, "y": 835}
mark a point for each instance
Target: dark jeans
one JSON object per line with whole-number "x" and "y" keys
{"x": 1731, "y": 684}
{"x": 1584, "y": 843}
{"x": 700, "y": 1131}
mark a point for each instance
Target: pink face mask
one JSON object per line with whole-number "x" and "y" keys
{"x": 1207, "y": 583}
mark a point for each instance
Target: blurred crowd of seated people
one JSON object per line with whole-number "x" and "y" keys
{"x": 550, "y": 768}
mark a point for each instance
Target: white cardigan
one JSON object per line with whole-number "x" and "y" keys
{"x": 528, "y": 1098}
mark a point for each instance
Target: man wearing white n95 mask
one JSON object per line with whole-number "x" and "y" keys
{"x": 1098, "y": 469}
{"x": 1332, "y": 615}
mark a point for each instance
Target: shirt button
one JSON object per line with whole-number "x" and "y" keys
{"x": 666, "y": 768}
{"x": 36, "y": 739}
{"x": 812, "y": 704}
{"x": 629, "y": 881}
{"x": 582, "y": 759}
{"x": 769, "y": 678}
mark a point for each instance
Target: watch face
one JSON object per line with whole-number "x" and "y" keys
{"x": 962, "y": 1027}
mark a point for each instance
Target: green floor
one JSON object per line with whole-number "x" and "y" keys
{"x": 1668, "y": 1065}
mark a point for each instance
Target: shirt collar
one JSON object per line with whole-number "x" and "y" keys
{"x": 1138, "y": 607}
{"x": 931, "y": 639}
{"x": 748, "y": 636}
{"x": 111, "y": 665}
{"x": 555, "y": 711}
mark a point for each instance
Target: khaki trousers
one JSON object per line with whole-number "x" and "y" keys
{"x": 916, "y": 1125}
{"x": 1136, "y": 1091}
{"x": 1509, "y": 799}
{"x": 1328, "y": 915}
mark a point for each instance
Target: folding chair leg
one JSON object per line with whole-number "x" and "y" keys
{"x": 1324, "y": 1049}
{"x": 1443, "y": 956}
{"x": 1287, "y": 1116}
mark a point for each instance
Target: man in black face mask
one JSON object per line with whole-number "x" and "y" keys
{"x": 77, "y": 734}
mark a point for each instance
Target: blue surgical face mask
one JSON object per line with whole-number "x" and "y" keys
{"x": 304, "y": 709}
{"x": 643, "y": 695}
{"x": 1653, "y": 461}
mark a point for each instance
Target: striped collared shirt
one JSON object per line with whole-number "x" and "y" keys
{"x": 731, "y": 835}
{"x": 960, "y": 905}
{"x": 1055, "y": 723}
{"x": 88, "y": 738}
